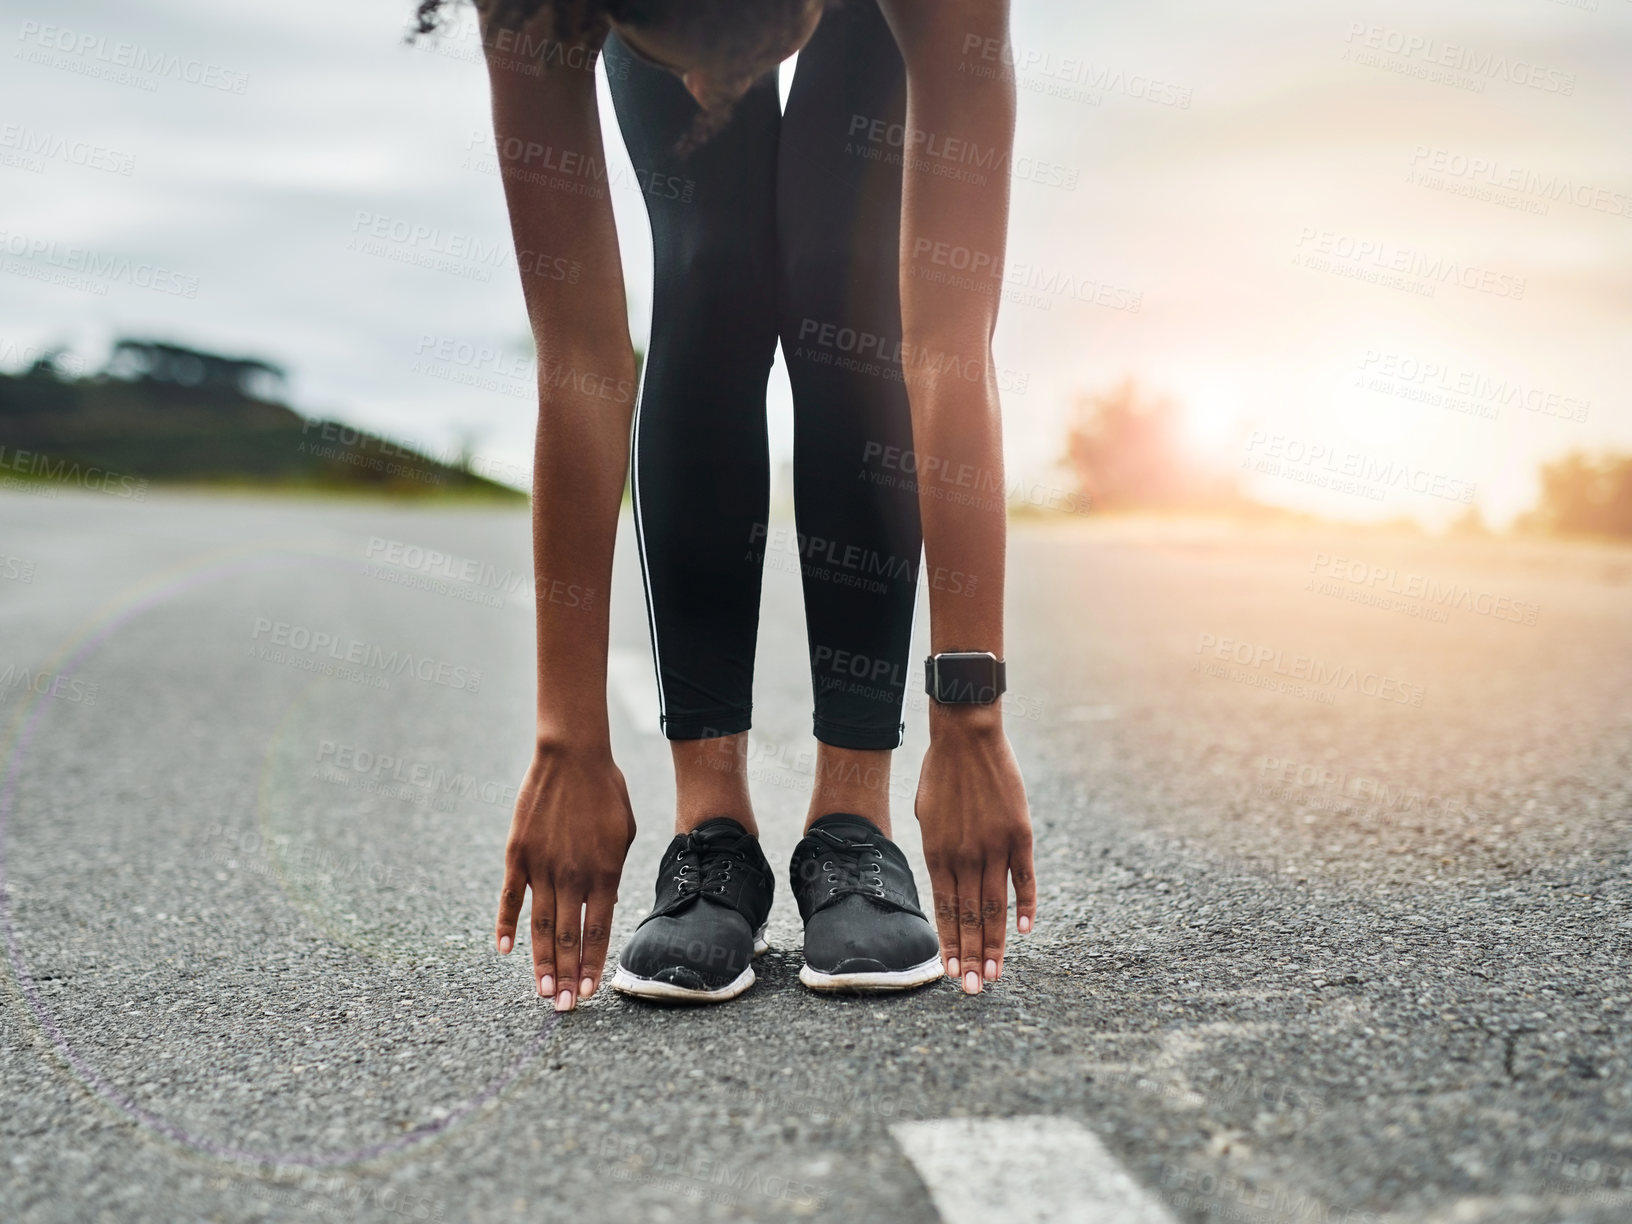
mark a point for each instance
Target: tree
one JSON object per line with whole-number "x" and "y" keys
{"x": 1127, "y": 451}
{"x": 1583, "y": 494}
{"x": 158, "y": 362}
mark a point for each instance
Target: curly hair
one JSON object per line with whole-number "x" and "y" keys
{"x": 741, "y": 34}
{"x": 739, "y": 31}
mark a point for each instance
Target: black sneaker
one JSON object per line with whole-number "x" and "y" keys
{"x": 864, "y": 929}
{"x": 698, "y": 944}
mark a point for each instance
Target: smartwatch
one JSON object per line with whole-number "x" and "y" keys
{"x": 965, "y": 677}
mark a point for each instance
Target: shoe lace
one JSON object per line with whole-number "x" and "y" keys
{"x": 705, "y": 866}
{"x": 850, "y": 866}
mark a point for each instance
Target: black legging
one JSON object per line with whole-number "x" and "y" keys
{"x": 780, "y": 224}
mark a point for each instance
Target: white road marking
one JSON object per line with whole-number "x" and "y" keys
{"x": 629, "y": 676}
{"x": 1042, "y": 1170}
{"x": 1476, "y": 1209}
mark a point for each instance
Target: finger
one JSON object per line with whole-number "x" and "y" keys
{"x": 969, "y": 929}
{"x": 1025, "y": 888}
{"x": 994, "y": 913}
{"x": 511, "y": 894}
{"x": 945, "y": 896}
{"x": 543, "y": 933}
{"x": 569, "y": 930}
{"x": 597, "y": 934}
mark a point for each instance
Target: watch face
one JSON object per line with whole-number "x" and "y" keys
{"x": 965, "y": 678}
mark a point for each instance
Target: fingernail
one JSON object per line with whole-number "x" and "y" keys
{"x": 991, "y": 971}
{"x": 505, "y": 945}
{"x": 546, "y": 986}
{"x": 586, "y": 988}
{"x": 1025, "y": 924}
{"x": 952, "y": 966}
{"x": 563, "y": 1001}
{"x": 971, "y": 982}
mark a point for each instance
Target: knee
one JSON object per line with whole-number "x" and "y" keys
{"x": 714, "y": 315}
{"x": 830, "y": 284}
{"x": 717, "y": 263}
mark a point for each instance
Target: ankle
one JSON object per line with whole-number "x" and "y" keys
{"x": 854, "y": 781}
{"x": 688, "y": 818}
{"x": 711, "y": 779}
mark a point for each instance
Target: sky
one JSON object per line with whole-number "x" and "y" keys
{"x": 1380, "y": 253}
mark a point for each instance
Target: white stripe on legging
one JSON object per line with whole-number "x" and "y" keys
{"x": 640, "y": 525}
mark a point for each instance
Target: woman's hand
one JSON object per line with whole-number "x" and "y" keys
{"x": 572, "y": 825}
{"x": 976, "y": 830}
{"x": 568, "y": 838}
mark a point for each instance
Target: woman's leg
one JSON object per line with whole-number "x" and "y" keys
{"x": 701, "y": 470}
{"x": 839, "y": 215}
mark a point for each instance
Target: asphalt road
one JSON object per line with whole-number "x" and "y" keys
{"x": 1335, "y": 914}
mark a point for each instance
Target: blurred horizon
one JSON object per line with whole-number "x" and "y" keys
{"x": 1395, "y": 237}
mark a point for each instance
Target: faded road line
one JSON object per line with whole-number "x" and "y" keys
{"x": 629, "y": 674}
{"x": 1043, "y": 1170}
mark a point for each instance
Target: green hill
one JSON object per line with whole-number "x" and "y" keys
{"x": 174, "y": 415}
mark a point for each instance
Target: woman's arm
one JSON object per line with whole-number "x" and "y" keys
{"x": 960, "y": 136}
{"x": 572, "y": 825}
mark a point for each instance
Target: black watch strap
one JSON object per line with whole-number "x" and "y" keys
{"x": 965, "y": 677}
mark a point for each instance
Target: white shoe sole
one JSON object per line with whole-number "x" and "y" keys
{"x": 895, "y": 979}
{"x": 650, "y": 988}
